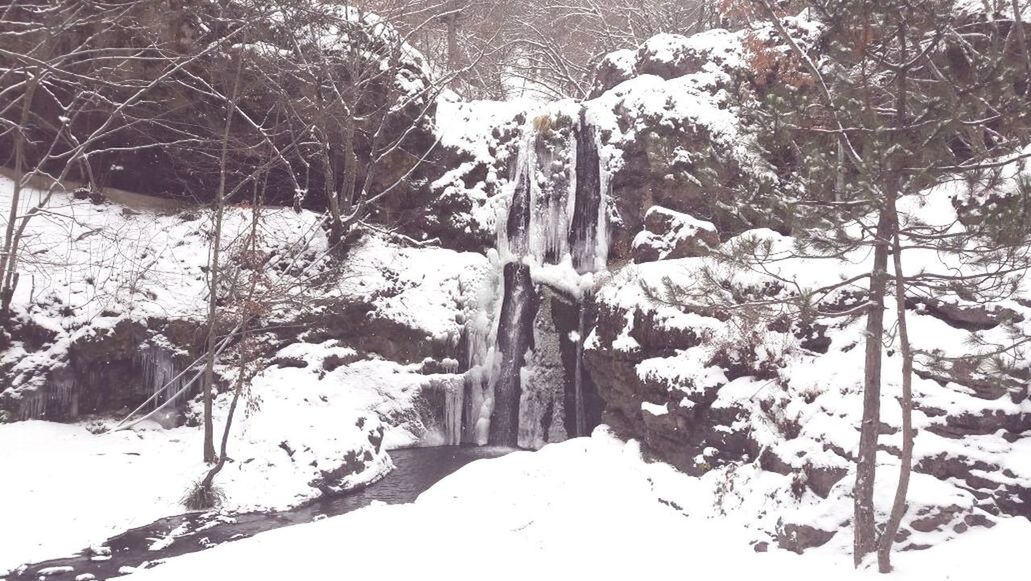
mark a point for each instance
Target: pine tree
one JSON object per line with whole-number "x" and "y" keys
{"x": 913, "y": 93}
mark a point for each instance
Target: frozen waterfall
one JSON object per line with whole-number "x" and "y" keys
{"x": 525, "y": 384}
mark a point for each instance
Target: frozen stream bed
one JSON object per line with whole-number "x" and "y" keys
{"x": 417, "y": 469}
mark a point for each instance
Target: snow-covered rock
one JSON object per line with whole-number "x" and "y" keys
{"x": 673, "y": 130}
{"x": 709, "y": 387}
{"x": 668, "y": 234}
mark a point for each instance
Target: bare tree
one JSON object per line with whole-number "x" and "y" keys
{"x": 543, "y": 48}
{"x": 68, "y": 94}
{"x": 356, "y": 98}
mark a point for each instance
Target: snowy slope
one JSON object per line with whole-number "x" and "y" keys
{"x": 66, "y": 488}
{"x": 774, "y": 407}
{"x": 319, "y": 416}
{"x": 86, "y": 268}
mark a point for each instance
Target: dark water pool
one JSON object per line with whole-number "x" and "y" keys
{"x": 416, "y": 470}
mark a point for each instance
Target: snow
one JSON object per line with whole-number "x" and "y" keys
{"x": 652, "y": 100}
{"x": 806, "y": 406}
{"x": 48, "y": 571}
{"x": 467, "y": 125}
{"x": 75, "y": 488}
{"x": 624, "y": 61}
{"x": 589, "y": 508}
{"x": 428, "y": 290}
{"x": 654, "y": 409}
{"x": 94, "y": 266}
{"x": 712, "y": 48}
{"x": 680, "y": 228}
{"x": 684, "y": 370}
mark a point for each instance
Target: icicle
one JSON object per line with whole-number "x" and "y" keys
{"x": 482, "y": 357}
{"x": 449, "y": 365}
{"x": 158, "y": 368}
{"x": 453, "y": 413}
{"x": 601, "y": 232}
{"x": 33, "y": 405}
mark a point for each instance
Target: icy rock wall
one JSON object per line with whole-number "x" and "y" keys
{"x": 552, "y": 243}
{"x": 160, "y": 374}
{"x": 109, "y": 382}
{"x": 440, "y": 410}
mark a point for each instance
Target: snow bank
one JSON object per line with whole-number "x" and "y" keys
{"x": 427, "y": 290}
{"x": 66, "y": 488}
{"x": 552, "y": 513}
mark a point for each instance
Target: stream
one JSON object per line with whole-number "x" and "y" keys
{"x": 416, "y": 470}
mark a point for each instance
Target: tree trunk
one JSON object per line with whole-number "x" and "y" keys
{"x": 209, "y": 478}
{"x": 209, "y": 362}
{"x": 1018, "y": 24}
{"x": 866, "y": 464}
{"x": 350, "y": 176}
{"x": 9, "y": 259}
{"x": 839, "y": 174}
{"x": 901, "y": 119}
{"x": 245, "y": 317}
{"x": 336, "y": 225}
{"x": 213, "y": 272}
{"x": 898, "y": 508}
{"x": 452, "y": 38}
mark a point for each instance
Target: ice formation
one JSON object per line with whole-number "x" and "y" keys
{"x": 552, "y": 241}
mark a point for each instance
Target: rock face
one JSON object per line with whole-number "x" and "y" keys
{"x": 705, "y": 389}
{"x": 684, "y": 138}
{"x": 148, "y": 155}
{"x": 676, "y": 420}
{"x": 797, "y": 538}
{"x": 111, "y": 369}
{"x": 668, "y": 122}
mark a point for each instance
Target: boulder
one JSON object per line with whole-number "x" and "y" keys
{"x": 799, "y": 537}
{"x": 670, "y": 234}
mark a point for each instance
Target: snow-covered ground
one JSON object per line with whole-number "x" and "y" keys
{"x": 65, "y": 488}
{"x": 588, "y": 508}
